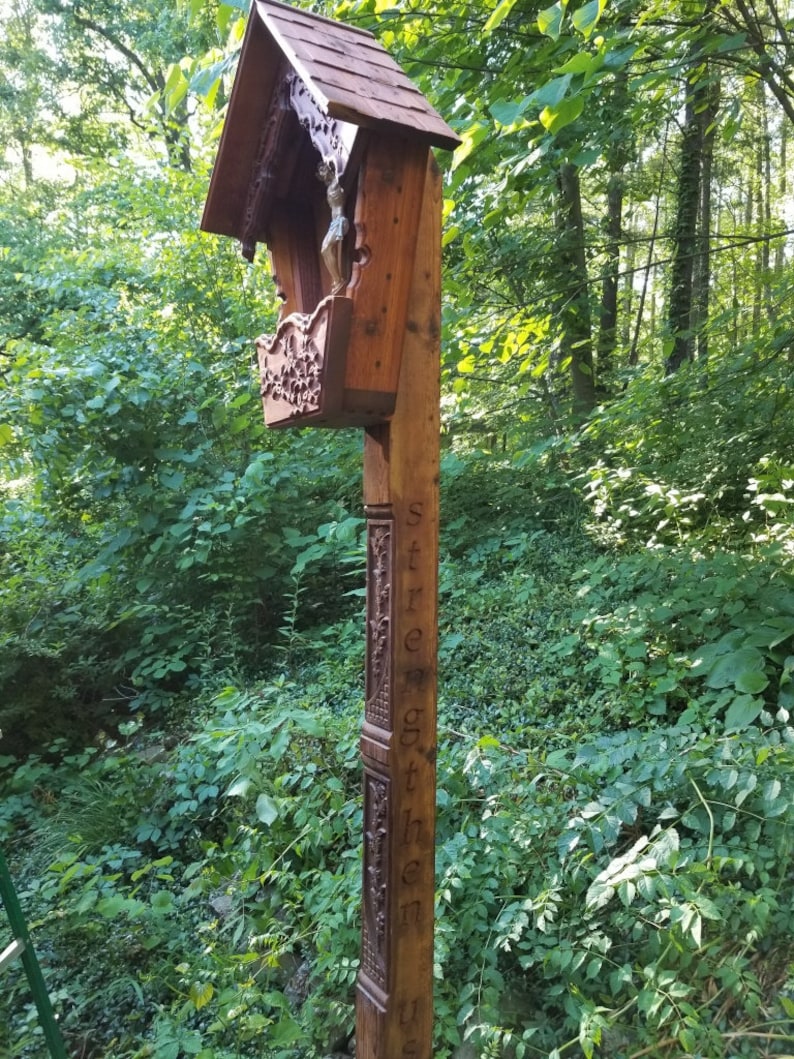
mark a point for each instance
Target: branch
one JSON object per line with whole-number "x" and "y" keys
{"x": 155, "y": 81}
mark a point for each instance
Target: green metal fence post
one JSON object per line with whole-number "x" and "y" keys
{"x": 22, "y": 947}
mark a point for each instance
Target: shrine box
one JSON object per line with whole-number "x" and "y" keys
{"x": 323, "y": 158}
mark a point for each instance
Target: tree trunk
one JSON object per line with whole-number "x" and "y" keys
{"x": 702, "y": 278}
{"x": 780, "y": 249}
{"x": 627, "y": 295}
{"x": 608, "y": 323}
{"x": 766, "y": 198}
{"x": 574, "y": 308}
{"x": 684, "y": 240}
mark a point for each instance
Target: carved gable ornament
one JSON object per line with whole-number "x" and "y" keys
{"x": 323, "y": 158}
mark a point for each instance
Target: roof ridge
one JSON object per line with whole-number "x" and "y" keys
{"x": 314, "y": 17}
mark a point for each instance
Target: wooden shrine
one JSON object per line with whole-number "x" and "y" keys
{"x": 326, "y": 158}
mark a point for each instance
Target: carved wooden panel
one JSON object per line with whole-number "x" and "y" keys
{"x": 275, "y": 131}
{"x": 379, "y": 622}
{"x": 302, "y": 365}
{"x": 375, "y": 918}
{"x": 332, "y": 140}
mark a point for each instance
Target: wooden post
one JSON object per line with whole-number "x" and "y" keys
{"x": 357, "y": 259}
{"x": 394, "y": 1015}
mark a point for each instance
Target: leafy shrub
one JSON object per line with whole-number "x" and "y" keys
{"x": 583, "y": 893}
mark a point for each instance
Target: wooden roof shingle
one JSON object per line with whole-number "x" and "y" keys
{"x": 348, "y": 74}
{"x": 351, "y": 76}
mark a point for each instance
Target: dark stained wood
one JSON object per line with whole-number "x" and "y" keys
{"x": 249, "y": 105}
{"x": 347, "y": 70}
{"x": 348, "y": 74}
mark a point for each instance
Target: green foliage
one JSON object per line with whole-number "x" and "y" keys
{"x": 181, "y": 636}
{"x": 587, "y": 887}
{"x": 696, "y": 456}
{"x": 150, "y": 530}
{"x": 583, "y": 881}
{"x": 258, "y": 811}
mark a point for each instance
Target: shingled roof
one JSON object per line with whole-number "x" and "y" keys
{"x": 351, "y": 76}
{"x": 346, "y": 71}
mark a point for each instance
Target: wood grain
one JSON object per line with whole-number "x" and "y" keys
{"x": 401, "y": 461}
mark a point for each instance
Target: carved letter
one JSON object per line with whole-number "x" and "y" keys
{"x": 411, "y": 913}
{"x": 414, "y": 514}
{"x": 410, "y": 872}
{"x": 412, "y": 639}
{"x": 410, "y": 777}
{"x": 413, "y": 551}
{"x": 408, "y": 1011}
{"x": 410, "y": 1049}
{"x": 415, "y": 825}
{"x": 412, "y": 594}
{"x": 414, "y": 679}
{"x": 411, "y": 732}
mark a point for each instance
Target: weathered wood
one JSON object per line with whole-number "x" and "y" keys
{"x": 398, "y": 742}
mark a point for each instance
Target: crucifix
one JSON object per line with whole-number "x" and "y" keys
{"x": 326, "y": 158}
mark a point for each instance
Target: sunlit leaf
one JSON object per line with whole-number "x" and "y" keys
{"x": 550, "y": 20}
{"x": 585, "y": 18}
{"x": 557, "y": 117}
{"x": 498, "y": 15}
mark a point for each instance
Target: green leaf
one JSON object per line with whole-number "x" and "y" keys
{"x": 742, "y": 712}
{"x": 582, "y": 63}
{"x": 498, "y": 15}
{"x": 109, "y": 907}
{"x": 552, "y": 93}
{"x": 555, "y": 118}
{"x": 201, "y": 993}
{"x": 728, "y": 668}
{"x": 162, "y": 902}
{"x": 266, "y": 809}
{"x": 285, "y": 1031}
{"x": 508, "y": 112}
{"x": 550, "y": 20}
{"x": 309, "y": 723}
{"x": 751, "y": 682}
{"x": 585, "y": 19}
{"x": 205, "y": 80}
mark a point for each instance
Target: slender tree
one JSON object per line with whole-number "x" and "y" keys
{"x": 684, "y": 234}
{"x": 574, "y": 304}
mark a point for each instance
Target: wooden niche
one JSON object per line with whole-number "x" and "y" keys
{"x": 323, "y": 157}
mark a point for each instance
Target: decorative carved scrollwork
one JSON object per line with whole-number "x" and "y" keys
{"x": 374, "y": 938}
{"x": 302, "y": 371}
{"x": 292, "y": 365}
{"x": 379, "y": 594}
{"x": 263, "y": 176}
{"x": 324, "y": 132}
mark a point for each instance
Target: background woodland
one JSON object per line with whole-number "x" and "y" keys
{"x": 181, "y": 593}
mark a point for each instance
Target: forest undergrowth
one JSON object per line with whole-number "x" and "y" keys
{"x": 181, "y": 591}
{"x": 614, "y": 803}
